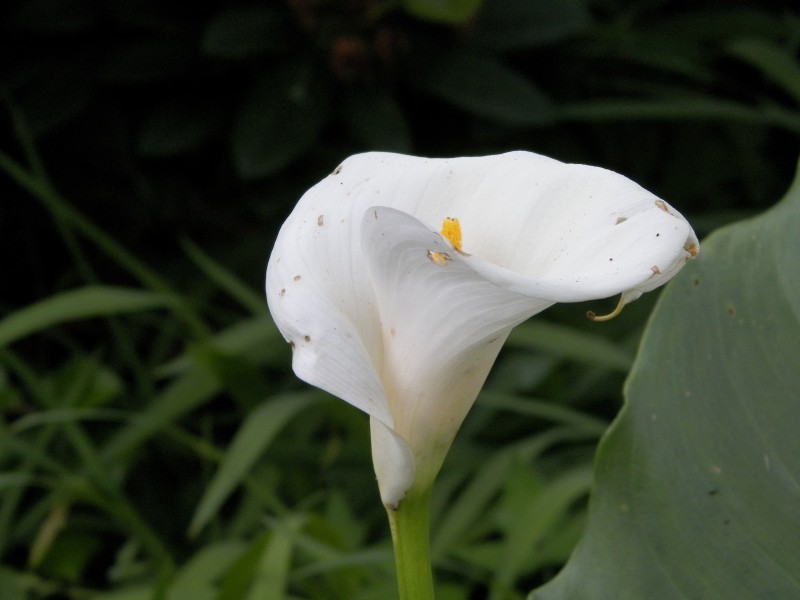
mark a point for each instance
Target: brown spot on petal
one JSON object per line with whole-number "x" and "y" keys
{"x": 690, "y": 248}
{"x": 655, "y": 270}
{"x": 662, "y": 205}
{"x": 438, "y": 258}
{"x": 321, "y": 220}
{"x": 307, "y": 338}
{"x": 620, "y": 220}
{"x": 291, "y": 343}
{"x": 282, "y": 293}
{"x": 297, "y": 277}
{"x": 337, "y": 170}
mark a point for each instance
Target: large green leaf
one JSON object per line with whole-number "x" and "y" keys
{"x": 697, "y": 491}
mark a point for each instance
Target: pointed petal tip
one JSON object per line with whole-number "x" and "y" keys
{"x": 394, "y": 463}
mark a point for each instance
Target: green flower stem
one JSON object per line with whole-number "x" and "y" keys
{"x": 410, "y": 525}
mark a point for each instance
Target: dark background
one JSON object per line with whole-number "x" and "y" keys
{"x": 158, "y": 121}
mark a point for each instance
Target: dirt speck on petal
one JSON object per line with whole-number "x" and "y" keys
{"x": 438, "y": 258}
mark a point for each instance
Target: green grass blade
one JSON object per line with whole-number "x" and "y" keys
{"x": 227, "y": 281}
{"x": 571, "y": 343}
{"x": 74, "y": 305}
{"x": 198, "y": 578}
{"x": 679, "y": 109}
{"x": 186, "y": 393}
{"x": 255, "y": 339}
{"x": 62, "y": 211}
{"x": 251, "y": 441}
{"x": 541, "y": 409}
{"x": 773, "y": 61}
{"x": 272, "y": 576}
{"x": 534, "y": 513}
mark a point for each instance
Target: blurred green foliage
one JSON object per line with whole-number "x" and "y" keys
{"x": 153, "y": 442}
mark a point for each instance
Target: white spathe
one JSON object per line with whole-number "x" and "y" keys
{"x": 384, "y": 312}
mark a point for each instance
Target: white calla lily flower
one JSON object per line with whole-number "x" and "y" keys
{"x": 397, "y": 279}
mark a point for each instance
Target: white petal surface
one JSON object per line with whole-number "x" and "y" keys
{"x": 442, "y": 326}
{"x": 320, "y": 295}
{"x": 606, "y": 255}
{"x": 384, "y": 313}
